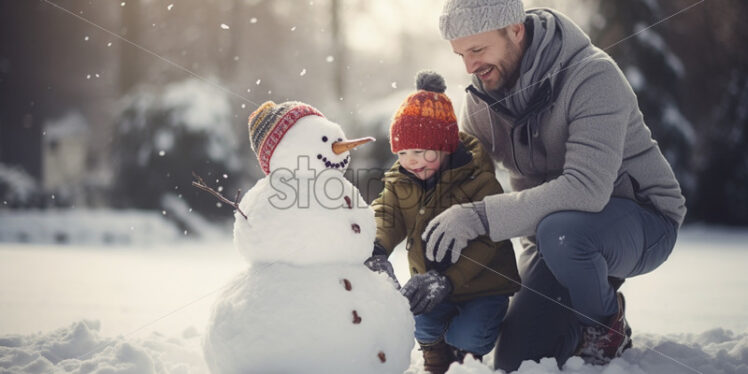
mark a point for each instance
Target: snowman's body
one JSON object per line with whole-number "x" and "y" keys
{"x": 307, "y": 303}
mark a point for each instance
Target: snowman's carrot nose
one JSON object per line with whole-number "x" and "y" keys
{"x": 343, "y": 146}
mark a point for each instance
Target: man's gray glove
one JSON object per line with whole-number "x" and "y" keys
{"x": 453, "y": 228}
{"x": 425, "y": 291}
{"x": 380, "y": 264}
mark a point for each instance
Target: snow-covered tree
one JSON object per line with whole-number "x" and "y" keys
{"x": 655, "y": 72}
{"x": 164, "y": 135}
{"x": 724, "y": 174}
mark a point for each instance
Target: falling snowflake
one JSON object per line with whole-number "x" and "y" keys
{"x": 225, "y": 176}
{"x": 85, "y": 38}
{"x": 303, "y": 72}
{"x": 163, "y": 212}
{"x": 109, "y": 44}
{"x": 88, "y": 76}
{"x": 253, "y": 20}
{"x": 122, "y": 4}
{"x": 330, "y": 59}
{"x": 394, "y": 84}
{"x": 293, "y": 28}
{"x": 224, "y": 26}
{"x": 244, "y": 106}
{"x": 258, "y": 82}
{"x": 161, "y": 153}
{"x": 170, "y": 6}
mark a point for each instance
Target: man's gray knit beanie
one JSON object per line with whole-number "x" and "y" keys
{"x": 462, "y": 18}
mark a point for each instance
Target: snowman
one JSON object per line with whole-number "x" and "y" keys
{"x": 307, "y": 303}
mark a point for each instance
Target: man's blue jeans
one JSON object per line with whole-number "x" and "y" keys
{"x": 565, "y": 277}
{"x": 471, "y": 326}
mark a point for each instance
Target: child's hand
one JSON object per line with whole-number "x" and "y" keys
{"x": 380, "y": 264}
{"x": 425, "y": 291}
{"x": 452, "y": 229}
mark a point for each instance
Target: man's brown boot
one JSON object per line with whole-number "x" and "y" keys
{"x": 437, "y": 357}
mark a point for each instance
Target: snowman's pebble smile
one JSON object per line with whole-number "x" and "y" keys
{"x": 336, "y": 165}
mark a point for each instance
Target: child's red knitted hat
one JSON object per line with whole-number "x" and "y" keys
{"x": 426, "y": 120}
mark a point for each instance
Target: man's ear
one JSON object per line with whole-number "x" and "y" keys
{"x": 516, "y": 32}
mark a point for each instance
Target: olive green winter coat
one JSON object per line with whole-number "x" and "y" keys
{"x": 406, "y": 205}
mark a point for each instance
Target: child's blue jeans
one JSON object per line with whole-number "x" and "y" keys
{"x": 471, "y": 326}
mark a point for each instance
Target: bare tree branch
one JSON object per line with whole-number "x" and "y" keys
{"x": 200, "y": 183}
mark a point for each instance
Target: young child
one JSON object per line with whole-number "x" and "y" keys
{"x": 458, "y": 307}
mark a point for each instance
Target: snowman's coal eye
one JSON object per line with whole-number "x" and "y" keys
{"x": 324, "y": 139}
{"x": 340, "y": 139}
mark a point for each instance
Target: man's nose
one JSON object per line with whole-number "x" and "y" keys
{"x": 470, "y": 65}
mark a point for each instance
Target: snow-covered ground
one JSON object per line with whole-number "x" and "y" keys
{"x": 143, "y": 309}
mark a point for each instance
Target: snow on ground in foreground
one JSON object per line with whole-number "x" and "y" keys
{"x": 143, "y": 310}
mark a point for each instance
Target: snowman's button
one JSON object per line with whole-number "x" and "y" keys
{"x": 356, "y": 318}
{"x": 356, "y": 228}
{"x": 382, "y": 357}
{"x": 348, "y": 202}
{"x": 347, "y": 284}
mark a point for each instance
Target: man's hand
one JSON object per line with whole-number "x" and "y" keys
{"x": 380, "y": 264}
{"x": 452, "y": 229}
{"x": 425, "y": 291}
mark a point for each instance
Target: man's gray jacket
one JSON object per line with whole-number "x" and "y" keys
{"x": 569, "y": 132}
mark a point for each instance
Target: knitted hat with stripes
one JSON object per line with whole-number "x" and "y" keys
{"x": 270, "y": 122}
{"x": 426, "y": 120}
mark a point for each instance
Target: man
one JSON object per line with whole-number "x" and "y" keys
{"x": 593, "y": 199}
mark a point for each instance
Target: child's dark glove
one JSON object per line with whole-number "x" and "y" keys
{"x": 380, "y": 264}
{"x": 425, "y": 291}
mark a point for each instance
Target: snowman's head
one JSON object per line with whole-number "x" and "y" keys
{"x": 292, "y": 135}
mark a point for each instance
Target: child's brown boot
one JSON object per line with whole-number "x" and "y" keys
{"x": 437, "y": 357}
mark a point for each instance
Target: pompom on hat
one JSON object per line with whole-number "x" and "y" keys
{"x": 270, "y": 122}
{"x": 426, "y": 120}
{"x": 461, "y": 18}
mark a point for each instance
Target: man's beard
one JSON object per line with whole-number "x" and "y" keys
{"x": 508, "y": 69}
